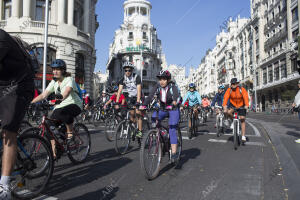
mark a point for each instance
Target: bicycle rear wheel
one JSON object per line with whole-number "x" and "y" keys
{"x": 110, "y": 127}
{"x": 179, "y": 146}
{"x": 150, "y": 155}
{"x": 123, "y": 136}
{"x": 79, "y": 149}
{"x": 190, "y": 129}
{"x": 235, "y": 135}
{"x": 34, "y": 167}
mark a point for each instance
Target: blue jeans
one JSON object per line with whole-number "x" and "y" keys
{"x": 174, "y": 116}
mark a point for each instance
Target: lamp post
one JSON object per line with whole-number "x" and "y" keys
{"x": 45, "y": 44}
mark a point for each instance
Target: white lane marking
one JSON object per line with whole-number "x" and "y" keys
{"x": 215, "y": 140}
{"x": 227, "y": 134}
{"x": 45, "y": 197}
{"x": 187, "y": 138}
{"x": 257, "y": 133}
{"x": 261, "y": 144}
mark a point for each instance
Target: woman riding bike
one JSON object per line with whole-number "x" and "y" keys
{"x": 194, "y": 99}
{"x": 168, "y": 96}
{"x": 68, "y": 103}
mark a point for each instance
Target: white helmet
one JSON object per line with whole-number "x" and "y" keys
{"x": 128, "y": 64}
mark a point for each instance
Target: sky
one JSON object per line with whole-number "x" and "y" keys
{"x": 187, "y": 28}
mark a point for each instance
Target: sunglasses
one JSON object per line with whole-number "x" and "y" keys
{"x": 128, "y": 70}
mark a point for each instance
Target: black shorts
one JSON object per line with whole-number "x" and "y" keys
{"x": 66, "y": 114}
{"x": 241, "y": 111}
{"x": 13, "y": 106}
{"x": 131, "y": 101}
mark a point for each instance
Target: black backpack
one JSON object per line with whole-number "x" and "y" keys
{"x": 30, "y": 58}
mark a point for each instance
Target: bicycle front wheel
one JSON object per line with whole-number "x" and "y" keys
{"x": 110, "y": 127}
{"x": 123, "y": 136}
{"x": 79, "y": 149}
{"x": 34, "y": 167}
{"x": 150, "y": 154}
{"x": 235, "y": 135}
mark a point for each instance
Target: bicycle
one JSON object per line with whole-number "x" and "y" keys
{"x": 33, "y": 166}
{"x": 192, "y": 122}
{"x": 81, "y": 139}
{"x": 111, "y": 123}
{"x": 156, "y": 144}
{"x": 237, "y": 136}
{"x": 220, "y": 121}
{"x": 127, "y": 130}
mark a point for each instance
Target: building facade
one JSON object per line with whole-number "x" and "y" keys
{"x": 72, "y": 28}
{"x": 136, "y": 41}
{"x": 100, "y": 83}
{"x": 261, "y": 51}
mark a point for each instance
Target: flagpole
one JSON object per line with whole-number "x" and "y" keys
{"x": 45, "y": 44}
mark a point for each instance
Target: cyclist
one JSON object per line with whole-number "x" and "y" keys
{"x": 113, "y": 98}
{"x": 218, "y": 98}
{"x": 194, "y": 99}
{"x": 68, "y": 103}
{"x": 87, "y": 102}
{"x": 16, "y": 92}
{"x": 239, "y": 100}
{"x": 168, "y": 95}
{"x": 133, "y": 84}
{"x": 296, "y": 105}
{"x": 205, "y": 103}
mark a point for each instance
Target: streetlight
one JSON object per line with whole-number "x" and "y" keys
{"x": 45, "y": 44}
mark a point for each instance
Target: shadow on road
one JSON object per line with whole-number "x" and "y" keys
{"x": 82, "y": 175}
{"x": 186, "y": 155}
{"x": 292, "y": 133}
{"x": 107, "y": 193}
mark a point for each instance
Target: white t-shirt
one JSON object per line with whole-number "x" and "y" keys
{"x": 73, "y": 97}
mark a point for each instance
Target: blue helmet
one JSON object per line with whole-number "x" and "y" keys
{"x": 192, "y": 85}
{"x": 221, "y": 87}
{"x": 83, "y": 91}
{"x": 115, "y": 88}
{"x": 58, "y": 63}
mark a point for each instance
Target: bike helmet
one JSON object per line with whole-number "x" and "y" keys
{"x": 128, "y": 65}
{"x": 83, "y": 91}
{"x": 234, "y": 81}
{"x": 221, "y": 87}
{"x": 192, "y": 85}
{"x": 164, "y": 74}
{"x": 58, "y": 63}
{"x": 115, "y": 88}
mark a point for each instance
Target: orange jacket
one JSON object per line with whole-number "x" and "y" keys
{"x": 237, "y": 99}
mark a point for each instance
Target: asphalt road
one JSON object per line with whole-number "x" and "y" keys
{"x": 210, "y": 168}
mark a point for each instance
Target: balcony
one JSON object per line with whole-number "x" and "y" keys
{"x": 83, "y": 35}
{"x": 278, "y": 53}
{"x": 3, "y": 24}
{"x": 277, "y": 37}
{"x": 39, "y": 24}
{"x": 130, "y": 38}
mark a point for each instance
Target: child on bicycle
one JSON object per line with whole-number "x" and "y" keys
{"x": 168, "y": 96}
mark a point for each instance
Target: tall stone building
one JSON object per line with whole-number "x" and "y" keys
{"x": 72, "y": 28}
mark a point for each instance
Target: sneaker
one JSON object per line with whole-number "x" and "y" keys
{"x": 297, "y": 141}
{"x": 173, "y": 158}
{"x": 139, "y": 134}
{"x": 5, "y": 193}
{"x": 244, "y": 139}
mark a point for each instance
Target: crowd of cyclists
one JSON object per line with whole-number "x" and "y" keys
{"x": 17, "y": 93}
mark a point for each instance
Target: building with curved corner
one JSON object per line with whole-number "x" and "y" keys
{"x": 72, "y": 28}
{"x": 136, "y": 41}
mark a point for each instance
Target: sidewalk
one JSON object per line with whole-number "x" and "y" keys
{"x": 283, "y": 135}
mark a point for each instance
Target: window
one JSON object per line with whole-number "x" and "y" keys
{"x": 283, "y": 69}
{"x": 144, "y": 72}
{"x": 294, "y": 65}
{"x": 265, "y": 78}
{"x": 144, "y": 35}
{"x": 257, "y": 79}
{"x": 40, "y": 10}
{"x": 131, "y": 11}
{"x": 7, "y": 9}
{"x": 295, "y": 14}
{"x": 79, "y": 68}
{"x": 143, "y": 11}
{"x": 276, "y": 71}
{"x": 130, "y": 59}
{"x": 270, "y": 73}
{"x": 78, "y": 15}
{"x": 279, "y": 8}
{"x": 51, "y": 56}
{"x": 130, "y": 36}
